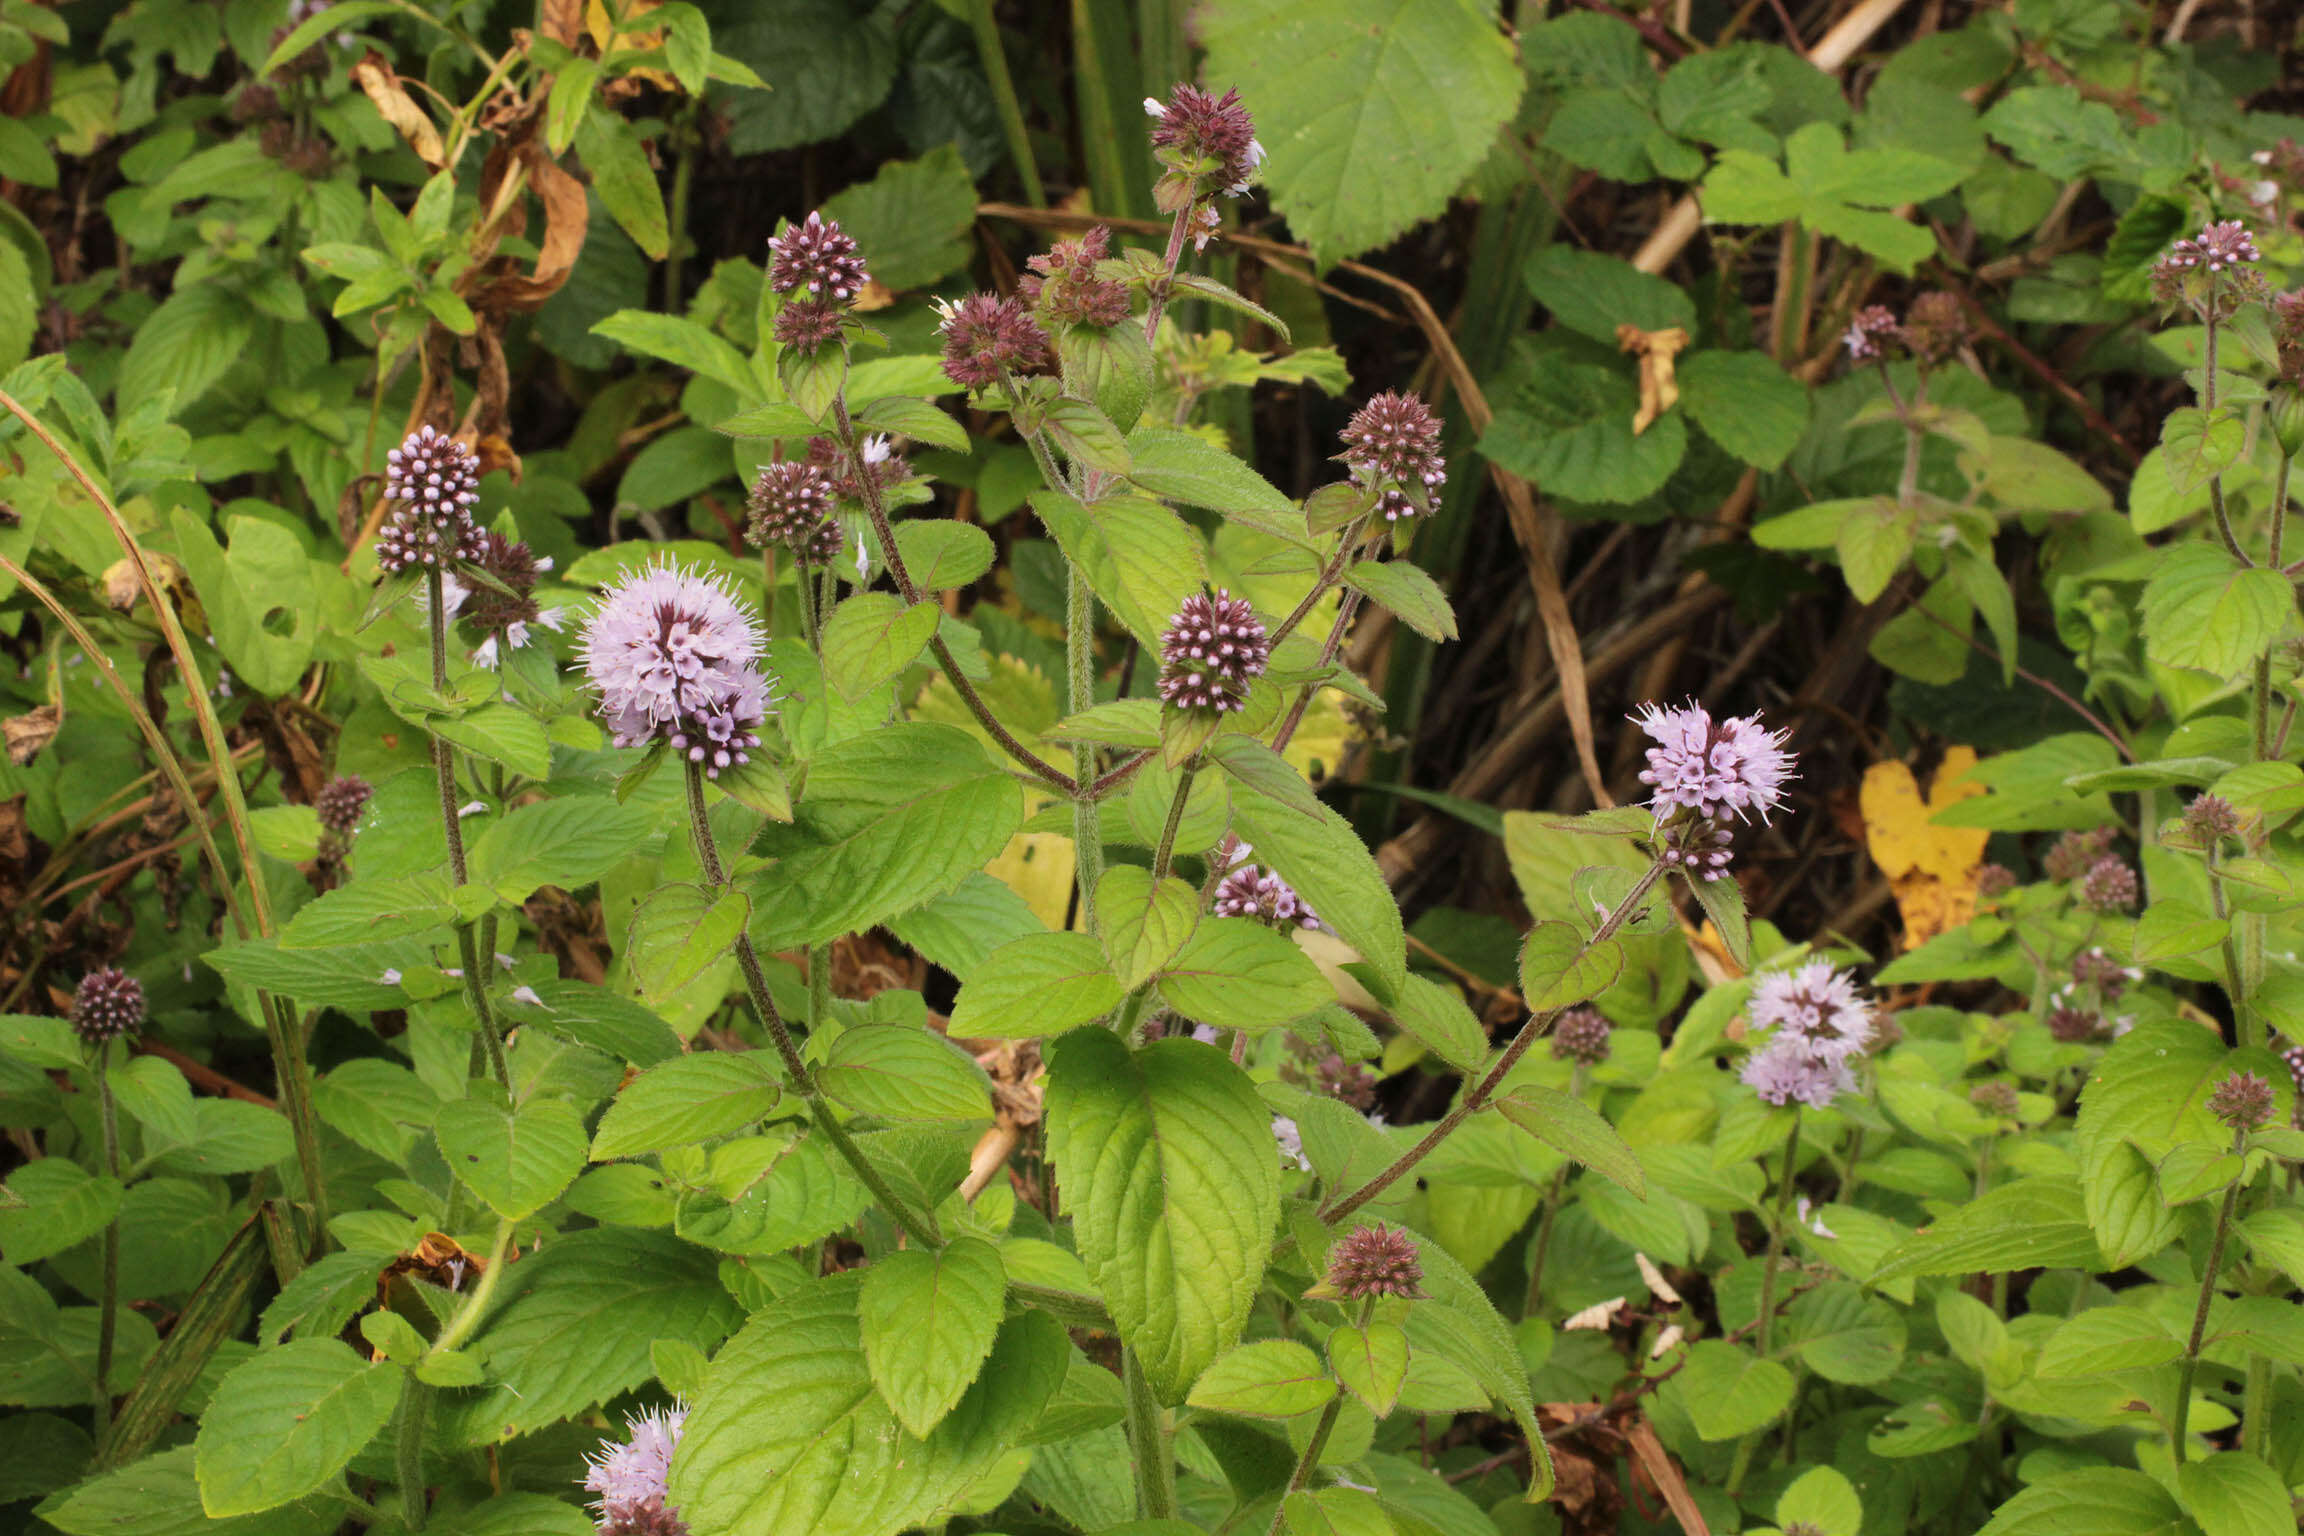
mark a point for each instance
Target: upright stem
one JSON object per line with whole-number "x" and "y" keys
{"x": 415, "y": 1408}
{"x": 2261, "y": 713}
{"x": 819, "y": 986}
{"x": 1158, "y": 298}
{"x": 1309, "y": 1463}
{"x": 1080, "y": 669}
{"x": 1479, "y": 1093}
{"x": 1148, "y": 1443}
{"x": 1165, "y": 854}
{"x": 108, "y": 1301}
{"x": 921, "y": 1229}
{"x": 2256, "y": 1408}
{"x": 444, "y": 773}
{"x": 994, "y": 58}
{"x": 2183, "y": 1409}
{"x": 2208, "y": 405}
{"x": 1776, "y": 1237}
{"x": 1535, "y": 1297}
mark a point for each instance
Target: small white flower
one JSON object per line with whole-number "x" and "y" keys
{"x": 876, "y": 448}
{"x": 1599, "y": 1315}
{"x": 1666, "y": 1341}
{"x": 390, "y": 978}
{"x": 863, "y": 558}
{"x": 1205, "y": 1033}
{"x": 1812, "y": 1217}
{"x": 1291, "y": 1141}
{"x": 475, "y": 808}
{"x": 1153, "y": 108}
{"x": 1655, "y": 1281}
{"x": 505, "y": 961}
{"x": 484, "y": 654}
{"x": 528, "y": 995}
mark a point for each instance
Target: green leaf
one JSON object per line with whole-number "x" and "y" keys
{"x": 2276, "y": 1237}
{"x": 2033, "y": 1223}
{"x": 942, "y": 555}
{"x": 1167, "y": 1160}
{"x": 905, "y": 1072}
{"x": 1041, "y": 984}
{"x": 1846, "y": 1336}
{"x": 1592, "y": 293}
{"x": 1371, "y": 1363}
{"x": 1330, "y": 868}
{"x": 2101, "y": 1500}
{"x": 577, "y": 1325}
{"x": 677, "y": 339}
{"x": 1434, "y": 1015}
{"x": 873, "y": 636}
{"x": 1087, "y": 436}
{"x": 623, "y": 178}
{"x": 286, "y": 1421}
{"x": 370, "y": 912}
{"x": 606, "y": 1021}
{"x": 830, "y": 63}
{"x": 1559, "y": 969}
{"x": 2196, "y": 446}
{"x": 2172, "y": 930}
{"x": 1269, "y": 1379}
{"x": 1141, "y": 922}
{"x": 1824, "y": 1500}
{"x": 1259, "y": 770}
{"x": 519, "y": 1159}
{"x": 1344, "y": 96}
{"x": 1141, "y": 558}
{"x": 2233, "y": 1493}
{"x": 678, "y": 932}
{"x": 1564, "y": 421}
{"x": 2024, "y": 476}
{"x": 687, "y": 1100}
{"x": 1111, "y": 366}
{"x": 54, "y": 1204}
{"x": 1746, "y": 404}
{"x": 789, "y": 1438}
{"x": 1238, "y": 974}
{"x": 2205, "y": 611}
{"x": 2104, "y": 1340}
{"x": 928, "y": 1321}
{"x": 1184, "y": 466}
{"x": 1570, "y": 1126}
{"x": 1414, "y": 597}
{"x": 912, "y": 217}
{"x": 502, "y": 733}
{"x": 888, "y": 820}
{"x": 185, "y": 346}
{"x": 1729, "y": 1392}
{"x": 160, "y": 1496}
{"x": 1874, "y": 541}
{"x": 258, "y": 595}
{"x": 568, "y": 842}
{"x": 1829, "y": 188}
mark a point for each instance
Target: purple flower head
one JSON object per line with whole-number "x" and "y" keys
{"x": 818, "y": 256}
{"x": 1994, "y": 880}
{"x": 2075, "y": 1026}
{"x": 1815, "y": 1009}
{"x": 985, "y": 337}
{"x": 106, "y": 1005}
{"x": 674, "y": 658}
{"x": 2242, "y": 1101}
{"x": 805, "y": 325}
{"x": 1581, "y": 1036}
{"x": 1995, "y": 1099}
{"x": 1867, "y": 329}
{"x": 2094, "y": 968}
{"x": 1210, "y": 650}
{"x": 1208, "y": 142}
{"x": 1781, "y": 1073}
{"x": 2210, "y": 817}
{"x": 789, "y": 501}
{"x": 1934, "y": 326}
{"x": 1067, "y": 290}
{"x": 2075, "y": 852}
{"x": 2294, "y": 1057}
{"x": 2109, "y": 886}
{"x": 1712, "y": 768}
{"x": 1393, "y": 444}
{"x": 630, "y": 1476}
{"x": 339, "y": 804}
{"x": 432, "y": 480}
{"x": 1250, "y": 891}
{"x": 1375, "y": 1261}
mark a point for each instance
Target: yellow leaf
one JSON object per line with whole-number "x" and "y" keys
{"x": 1931, "y": 869}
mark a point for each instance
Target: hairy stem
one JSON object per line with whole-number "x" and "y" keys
{"x": 2208, "y": 404}
{"x": 1080, "y": 669}
{"x": 1148, "y": 1443}
{"x": 920, "y": 1228}
{"x": 108, "y": 1298}
{"x": 444, "y": 771}
{"x": 1165, "y": 854}
{"x": 2183, "y": 1408}
{"x": 415, "y": 1406}
{"x": 1535, "y": 1297}
{"x": 1776, "y": 1237}
{"x": 1158, "y": 296}
{"x": 1309, "y": 1463}
{"x": 1480, "y": 1092}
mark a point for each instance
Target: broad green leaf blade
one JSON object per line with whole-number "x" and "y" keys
{"x": 160, "y": 1496}
{"x": 1142, "y": 923}
{"x": 2034, "y": 1223}
{"x": 1236, "y": 973}
{"x": 1328, "y": 865}
{"x": 678, "y": 931}
{"x": 1412, "y": 595}
{"x": 872, "y": 637}
{"x": 2104, "y": 1340}
{"x": 1370, "y": 1362}
{"x": 568, "y": 842}
{"x": 1558, "y": 968}
{"x": 1570, "y": 1126}
{"x": 1041, "y": 984}
{"x": 1728, "y": 1391}
{"x": 687, "y": 1100}
{"x": 788, "y": 1437}
{"x": 905, "y": 1072}
{"x": 2101, "y": 1500}
{"x": 1167, "y": 1160}
{"x": 575, "y": 1327}
{"x": 287, "y": 1420}
{"x": 928, "y": 1321}
{"x": 1269, "y": 1379}
{"x": 517, "y": 1160}
{"x": 2203, "y": 610}
{"x": 2233, "y": 1493}
{"x": 1348, "y": 96}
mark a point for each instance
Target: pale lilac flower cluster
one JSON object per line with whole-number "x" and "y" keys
{"x": 1252, "y": 891}
{"x": 630, "y": 1476}
{"x": 986, "y": 337}
{"x": 1211, "y": 649}
{"x": 818, "y": 265}
{"x": 2219, "y": 248}
{"x": 1393, "y": 446}
{"x": 1867, "y": 329}
{"x": 432, "y": 481}
{"x": 1817, "y": 1022}
{"x": 1714, "y": 768}
{"x": 674, "y": 658}
{"x": 107, "y": 1004}
{"x": 1207, "y": 142}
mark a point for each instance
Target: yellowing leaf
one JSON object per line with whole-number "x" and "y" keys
{"x": 1932, "y": 869}
{"x": 1038, "y": 866}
